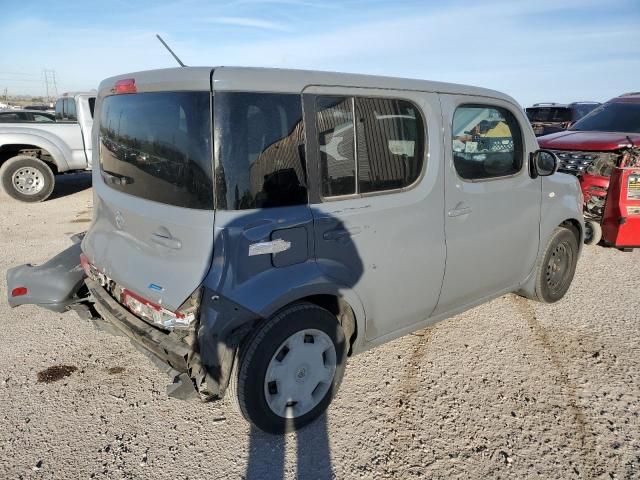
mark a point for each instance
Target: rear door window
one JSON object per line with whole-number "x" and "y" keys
{"x": 157, "y": 146}
{"x": 486, "y": 142}
{"x": 259, "y": 139}
{"x": 378, "y": 141}
{"x": 390, "y": 140}
{"x": 335, "y": 125}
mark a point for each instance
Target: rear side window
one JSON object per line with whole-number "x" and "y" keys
{"x": 66, "y": 110}
{"x": 378, "y": 141}
{"x": 549, "y": 114}
{"x": 259, "y": 141}
{"x": 70, "y": 110}
{"x": 157, "y": 146}
{"x": 487, "y": 142}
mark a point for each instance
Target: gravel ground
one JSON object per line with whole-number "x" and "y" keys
{"x": 511, "y": 389}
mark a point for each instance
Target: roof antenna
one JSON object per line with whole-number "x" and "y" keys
{"x": 170, "y": 51}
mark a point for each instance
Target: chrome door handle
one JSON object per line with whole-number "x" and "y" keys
{"x": 166, "y": 241}
{"x": 457, "y": 212}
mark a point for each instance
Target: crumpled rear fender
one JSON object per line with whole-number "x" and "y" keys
{"x": 53, "y": 285}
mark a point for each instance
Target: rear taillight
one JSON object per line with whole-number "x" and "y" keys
{"x": 84, "y": 262}
{"x": 126, "y": 85}
{"x": 19, "y": 291}
{"x": 159, "y": 315}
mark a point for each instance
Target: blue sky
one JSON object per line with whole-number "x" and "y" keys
{"x": 537, "y": 50}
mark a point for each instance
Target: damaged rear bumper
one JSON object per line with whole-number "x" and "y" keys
{"x": 168, "y": 351}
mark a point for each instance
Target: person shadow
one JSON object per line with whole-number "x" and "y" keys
{"x": 267, "y": 453}
{"x": 336, "y": 252}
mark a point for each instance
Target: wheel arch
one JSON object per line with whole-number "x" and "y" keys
{"x": 55, "y": 156}
{"x": 577, "y": 228}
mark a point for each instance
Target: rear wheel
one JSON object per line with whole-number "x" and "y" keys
{"x": 27, "y": 179}
{"x": 592, "y": 232}
{"x": 558, "y": 265}
{"x": 290, "y": 368}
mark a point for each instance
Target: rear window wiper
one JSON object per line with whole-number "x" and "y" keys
{"x": 116, "y": 179}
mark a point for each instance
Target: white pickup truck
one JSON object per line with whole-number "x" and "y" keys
{"x": 32, "y": 153}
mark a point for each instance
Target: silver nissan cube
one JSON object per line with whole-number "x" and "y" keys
{"x": 253, "y": 228}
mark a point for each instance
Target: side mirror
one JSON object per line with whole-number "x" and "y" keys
{"x": 543, "y": 163}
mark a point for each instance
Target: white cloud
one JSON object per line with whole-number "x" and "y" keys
{"x": 248, "y": 22}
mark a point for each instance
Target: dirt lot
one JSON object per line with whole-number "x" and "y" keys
{"x": 512, "y": 389}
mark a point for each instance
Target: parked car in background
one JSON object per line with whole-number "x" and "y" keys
{"x": 549, "y": 118}
{"x": 43, "y": 108}
{"x": 32, "y": 153}
{"x": 252, "y": 244}
{"x": 18, "y": 116}
{"x": 600, "y": 134}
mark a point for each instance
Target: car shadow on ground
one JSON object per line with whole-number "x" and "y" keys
{"x": 267, "y": 453}
{"x": 71, "y": 183}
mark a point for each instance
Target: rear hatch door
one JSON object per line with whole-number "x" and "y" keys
{"x": 152, "y": 231}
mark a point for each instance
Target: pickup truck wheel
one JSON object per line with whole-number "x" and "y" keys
{"x": 592, "y": 232}
{"x": 558, "y": 266}
{"x": 27, "y": 179}
{"x": 290, "y": 368}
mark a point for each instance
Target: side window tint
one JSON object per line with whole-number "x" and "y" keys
{"x": 59, "y": 109}
{"x": 259, "y": 140}
{"x": 92, "y": 105}
{"x": 70, "y": 110}
{"x": 487, "y": 142}
{"x": 390, "y": 140}
{"x": 334, "y": 120}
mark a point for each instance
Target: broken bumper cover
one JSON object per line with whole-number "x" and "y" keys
{"x": 168, "y": 352}
{"x": 53, "y": 285}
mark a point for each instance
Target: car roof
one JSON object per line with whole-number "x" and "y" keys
{"x": 282, "y": 80}
{"x": 90, "y": 93}
{"x": 631, "y": 97}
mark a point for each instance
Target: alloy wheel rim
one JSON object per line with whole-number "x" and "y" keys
{"x": 28, "y": 180}
{"x": 300, "y": 373}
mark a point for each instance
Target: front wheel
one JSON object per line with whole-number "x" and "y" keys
{"x": 290, "y": 368}
{"x": 558, "y": 265}
{"x": 27, "y": 179}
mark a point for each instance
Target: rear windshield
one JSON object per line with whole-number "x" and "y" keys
{"x": 157, "y": 146}
{"x": 549, "y": 114}
{"x": 612, "y": 117}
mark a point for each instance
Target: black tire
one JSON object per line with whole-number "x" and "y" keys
{"x": 40, "y": 177}
{"x": 592, "y": 232}
{"x": 247, "y": 383}
{"x": 558, "y": 265}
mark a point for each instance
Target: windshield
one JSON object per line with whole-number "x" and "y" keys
{"x": 549, "y": 114}
{"x": 157, "y": 146}
{"x": 611, "y": 117}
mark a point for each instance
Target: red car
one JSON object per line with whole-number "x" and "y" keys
{"x": 597, "y": 136}
{"x": 592, "y": 147}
